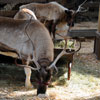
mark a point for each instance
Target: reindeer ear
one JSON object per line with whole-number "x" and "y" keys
{"x": 68, "y": 12}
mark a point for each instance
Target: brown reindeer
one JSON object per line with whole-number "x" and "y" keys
{"x": 32, "y": 43}
{"x": 52, "y": 14}
{"x": 57, "y": 18}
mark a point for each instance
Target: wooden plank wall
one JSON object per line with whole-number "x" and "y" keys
{"x": 99, "y": 20}
{"x": 20, "y": 1}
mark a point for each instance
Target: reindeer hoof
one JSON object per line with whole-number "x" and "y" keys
{"x": 43, "y": 96}
{"x": 29, "y": 86}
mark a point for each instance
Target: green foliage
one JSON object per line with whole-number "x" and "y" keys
{"x": 61, "y": 44}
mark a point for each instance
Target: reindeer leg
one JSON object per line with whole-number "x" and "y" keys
{"x": 28, "y": 76}
{"x": 53, "y": 29}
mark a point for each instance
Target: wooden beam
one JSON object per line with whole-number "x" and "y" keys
{"x": 89, "y": 14}
{"x": 20, "y": 1}
{"x": 8, "y": 13}
{"x": 83, "y": 33}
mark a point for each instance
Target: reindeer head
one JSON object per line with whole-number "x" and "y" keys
{"x": 71, "y": 14}
{"x": 43, "y": 75}
{"x": 70, "y": 17}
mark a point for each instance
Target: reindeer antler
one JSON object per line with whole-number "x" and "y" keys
{"x": 27, "y": 65}
{"x": 63, "y": 52}
{"x": 80, "y": 7}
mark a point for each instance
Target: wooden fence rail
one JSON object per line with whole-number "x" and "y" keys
{"x": 10, "y": 13}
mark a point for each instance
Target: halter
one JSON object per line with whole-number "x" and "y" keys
{"x": 43, "y": 83}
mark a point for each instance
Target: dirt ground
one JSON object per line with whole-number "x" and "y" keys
{"x": 83, "y": 85}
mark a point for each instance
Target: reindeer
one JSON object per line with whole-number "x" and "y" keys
{"x": 51, "y": 14}
{"x": 54, "y": 16}
{"x": 32, "y": 42}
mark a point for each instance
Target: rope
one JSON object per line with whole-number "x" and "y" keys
{"x": 41, "y": 83}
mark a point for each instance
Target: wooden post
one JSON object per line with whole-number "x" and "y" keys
{"x": 69, "y": 70}
{"x": 99, "y": 20}
{"x": 97, "y": 39}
